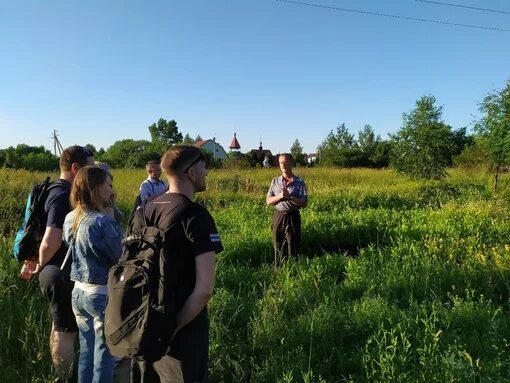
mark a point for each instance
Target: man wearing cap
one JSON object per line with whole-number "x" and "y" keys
{"x": 191, "y": 244}
{"x": 288, "y": 194}
{"x": 55, "y": 284}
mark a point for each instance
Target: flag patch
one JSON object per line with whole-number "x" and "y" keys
{"x": 214, "y": 237}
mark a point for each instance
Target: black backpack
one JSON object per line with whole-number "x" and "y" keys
{"x": 141, "y": 314}
{"x": 138, "y": 203}
{"x": 29, "y": 236}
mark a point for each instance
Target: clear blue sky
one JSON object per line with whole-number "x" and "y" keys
{"x": 100, "y": 71}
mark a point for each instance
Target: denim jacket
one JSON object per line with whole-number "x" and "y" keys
{"x": 96, "y": 249}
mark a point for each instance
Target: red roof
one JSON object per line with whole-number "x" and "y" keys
{"x": 199, "y": 144}
{"x": 234, "y": 144}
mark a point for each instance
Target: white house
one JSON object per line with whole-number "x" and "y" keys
{"x": 212, "y": 147}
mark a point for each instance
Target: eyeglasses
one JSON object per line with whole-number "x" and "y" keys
{"x": 201, "y": 157}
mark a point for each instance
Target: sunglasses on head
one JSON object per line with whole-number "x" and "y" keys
{"x": 201, "y": 157}
{"x": 85, "y": 153}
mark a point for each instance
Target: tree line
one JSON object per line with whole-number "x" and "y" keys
{"x": 423, "y": 147}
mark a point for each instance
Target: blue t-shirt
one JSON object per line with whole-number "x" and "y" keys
{"x": 152, "y": 188}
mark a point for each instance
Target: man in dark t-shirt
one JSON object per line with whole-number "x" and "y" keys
{"x": 192, "y": 243}
{"x": 55, "y": 284}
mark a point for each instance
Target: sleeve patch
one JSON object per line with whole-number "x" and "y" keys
{"x": 214, "y": 237}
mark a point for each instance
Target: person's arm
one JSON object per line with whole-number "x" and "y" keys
{"x": 50, "y": 244}
{"x": 105, "y": 239}
{"x": 273, "y": 199}
{"x": 301, "y": 202}
{"x": 301, "y": 199}
{"x": 145, "y": 191}
{"x": 204, "y": 284}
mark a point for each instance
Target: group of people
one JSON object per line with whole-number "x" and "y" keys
{"x": 82, "y": 240}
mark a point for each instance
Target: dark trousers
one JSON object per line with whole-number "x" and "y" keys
{"x": 286, "y": 232}
{"x": 186, "y": 361}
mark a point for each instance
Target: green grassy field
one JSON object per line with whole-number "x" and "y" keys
{"x": 399, "y": 281}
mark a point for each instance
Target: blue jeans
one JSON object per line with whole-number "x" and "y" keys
{"x": 95, "y": 363}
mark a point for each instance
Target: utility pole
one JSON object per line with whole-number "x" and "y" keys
{"x": 57, "y": 145}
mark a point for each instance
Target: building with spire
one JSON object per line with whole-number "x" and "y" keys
{"x": 262, "y": 156}
{"x": 234, "y": 144}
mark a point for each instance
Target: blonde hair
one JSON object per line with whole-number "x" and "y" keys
{"x": 85, "y": 192}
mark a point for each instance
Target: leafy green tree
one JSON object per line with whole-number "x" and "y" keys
{"x": 188, "y": 140}
{"x": 421, "y": 148}
{"x": 367, "y": 145}
{"x": 131, "y": 153}
{"x": 30, "y": 158}
{"x": 100, "y": 154}
{"x": 297, "y": 152}
{"x": 165, "y": 132}
{"x": 381, "y": 156}
{"x": 92, "y": 148}
{"x": 494, "y": 129}
{"x": 237, "y": 160}
{"x": 339, "y": 148}
{"x": 473, "y": 156}
{"x": 460, "y": 140}
{"x": 198, "y": 138}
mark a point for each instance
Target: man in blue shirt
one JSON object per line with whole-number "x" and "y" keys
{"x": 152, "y": 187}
{"x": 288, "y": 194}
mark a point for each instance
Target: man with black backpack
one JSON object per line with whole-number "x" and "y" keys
{"x": 190, "y": 245}
{"x": 55, "y": 283}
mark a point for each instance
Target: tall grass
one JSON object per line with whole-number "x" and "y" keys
{"x": 398, "y": 281}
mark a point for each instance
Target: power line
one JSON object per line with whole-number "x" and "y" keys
{"x": 395, "y": 16}
{"x": 464, "y": 6}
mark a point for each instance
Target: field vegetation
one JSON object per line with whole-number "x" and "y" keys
{"x": 399, "y": 280}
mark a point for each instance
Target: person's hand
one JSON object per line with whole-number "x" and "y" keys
{"x": 37, "y": 269}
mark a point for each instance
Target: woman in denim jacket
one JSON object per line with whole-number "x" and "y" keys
{"x": 94, "y": 241}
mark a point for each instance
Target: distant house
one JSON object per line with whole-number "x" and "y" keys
{"x": 212, "y": 147}
{"x": 259, "y": 155}
{"x": 312, "y": 157}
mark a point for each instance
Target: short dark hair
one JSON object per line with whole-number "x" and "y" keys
{"x": 179, "y": 158}
{"x": 153, "y": 162}
{"x": 74, "y": 155}
{"x": 288, "y": 155}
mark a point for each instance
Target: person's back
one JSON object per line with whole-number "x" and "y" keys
{"x": 190, "y": 247}
{"x": 94, "y": 240}
{"x": 55, "y": 284}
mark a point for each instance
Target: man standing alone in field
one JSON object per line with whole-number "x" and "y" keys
{"x": 56, "y": 285}
{"x": 191, "y": 244}
{"x": 288, "y": 194}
